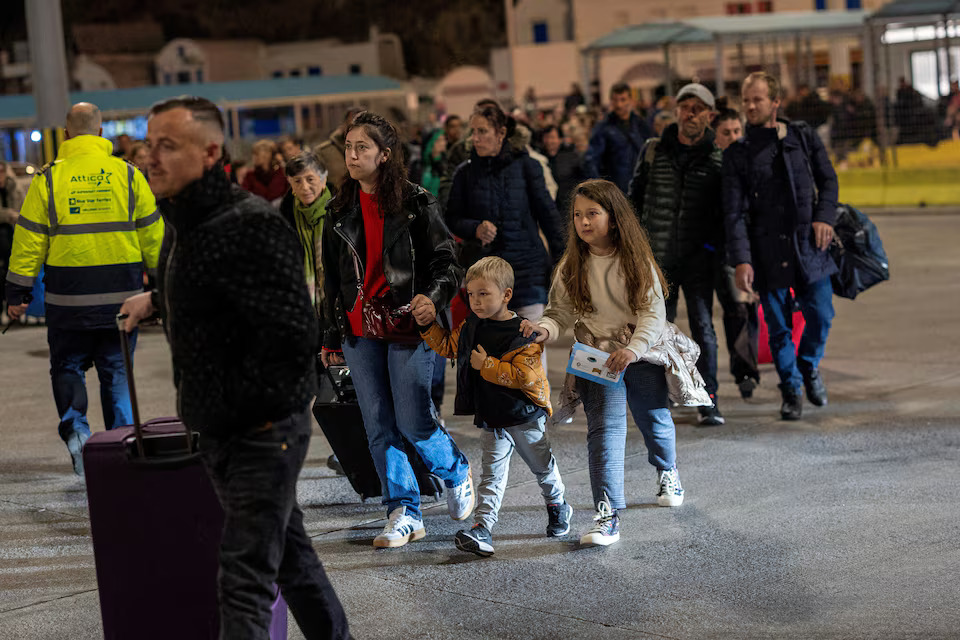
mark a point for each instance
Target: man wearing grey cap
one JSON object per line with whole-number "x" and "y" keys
{"x": 676, "y": 192}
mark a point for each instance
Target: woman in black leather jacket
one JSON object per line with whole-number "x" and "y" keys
{"x": 387, "y": 240}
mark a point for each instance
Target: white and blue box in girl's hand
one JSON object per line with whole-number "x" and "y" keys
{"x": 590, "y": 363}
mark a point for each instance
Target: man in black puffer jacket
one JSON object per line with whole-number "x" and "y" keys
{"x": 243, "y": 335}
{"x": 676, "y": 192}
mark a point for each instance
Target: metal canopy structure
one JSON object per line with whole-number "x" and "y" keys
{"x": 763, "y": 26}
{"x": 899, "y": 9}
{"x": 800, "y": 26}
{"x": 650, "y": 36}
{"x": 740, "y": 28}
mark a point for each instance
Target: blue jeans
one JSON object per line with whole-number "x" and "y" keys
{"x": 438, "y": 380}
{"x": 72, "y": 352}
{"x": 645, "y": 391}
{"x": 264, "y": 542}
{"x": 816, "y": 305}
{"x": 393, "y": 388}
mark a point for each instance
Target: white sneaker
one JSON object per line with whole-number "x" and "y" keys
{"x": 669, "y": 491}
{"x": 462, "y": 498}
{"x": 607, "y": 528}
{"x": 400, "y": 530}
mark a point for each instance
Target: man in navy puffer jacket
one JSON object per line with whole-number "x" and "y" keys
{"x": 780, "y": 205}
{"x": 616, "y": 141}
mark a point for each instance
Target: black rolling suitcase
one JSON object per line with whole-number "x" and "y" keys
{"x": 338, "y": 414}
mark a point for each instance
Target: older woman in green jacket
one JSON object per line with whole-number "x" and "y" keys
{"x": 305, "y": 207}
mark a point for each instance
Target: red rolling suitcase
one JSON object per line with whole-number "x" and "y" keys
{"x": 764, "y": 356}
{"x": 156, "y": 522}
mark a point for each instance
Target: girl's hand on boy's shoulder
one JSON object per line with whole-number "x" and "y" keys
{"x": 528, "y": 328}
{"x": 620, "y": 359}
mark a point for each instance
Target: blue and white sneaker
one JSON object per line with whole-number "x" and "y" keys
{"x": 558, "y": 519}
{"x": 606, "y": 529}
{"x": 400, "y": 530}
{"x": 462, "y": 498}
{"x": 669, "y": 491}
{"x": 476, "y": 539}
{"x": 75, "y": 444}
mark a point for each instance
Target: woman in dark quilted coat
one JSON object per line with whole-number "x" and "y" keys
{"x": 498, "y": 206}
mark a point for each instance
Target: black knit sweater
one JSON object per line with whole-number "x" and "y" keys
{"x": 238, "y": 317}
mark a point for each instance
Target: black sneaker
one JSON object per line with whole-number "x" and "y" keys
{"x": 476, "y": 540}
{"x": 816, "y": 390}
{"x": 559, "y": 519}
{"x": 792, "y": 407}
{"x": 746, "y": 387}
{"x": 710, "y": 416}
{"x": 333, "y": 463}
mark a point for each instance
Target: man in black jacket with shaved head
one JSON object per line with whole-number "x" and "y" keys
{"x": 243, "y": 336}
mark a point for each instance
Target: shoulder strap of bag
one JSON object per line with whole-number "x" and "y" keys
{"x": 651, "y": 151}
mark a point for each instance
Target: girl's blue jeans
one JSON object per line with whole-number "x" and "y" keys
{"x": 644, "y": 390}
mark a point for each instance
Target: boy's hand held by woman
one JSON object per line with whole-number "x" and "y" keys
{"x": 423, "y": 310}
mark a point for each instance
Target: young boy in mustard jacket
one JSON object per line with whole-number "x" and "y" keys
{"x": 502, "y": 383}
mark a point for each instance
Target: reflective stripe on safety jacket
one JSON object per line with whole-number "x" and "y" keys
{"x": 91, "y": 222}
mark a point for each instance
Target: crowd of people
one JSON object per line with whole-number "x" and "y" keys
{"x": 513, "y": 230}
{"x": 571, "y": 138}
{"x": 847, "y": 118}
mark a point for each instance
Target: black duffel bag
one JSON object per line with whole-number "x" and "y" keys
{"x": 858, "y": 252}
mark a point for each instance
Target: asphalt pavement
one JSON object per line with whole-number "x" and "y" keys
{"x": 842, "y": 525}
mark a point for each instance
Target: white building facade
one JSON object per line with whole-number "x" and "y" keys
{"x": 185, "y": 60}
{"x": 546, "y": 38}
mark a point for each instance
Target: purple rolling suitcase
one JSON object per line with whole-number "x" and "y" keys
{"x": 156, "y": 522}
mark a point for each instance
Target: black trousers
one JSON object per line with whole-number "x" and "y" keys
{"x": 696, "y": 276}
{"x": 264, "y": 542}
{"x": 741, "y": 328}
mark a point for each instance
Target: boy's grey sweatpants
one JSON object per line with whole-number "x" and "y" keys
{"x": 531, "y": 442}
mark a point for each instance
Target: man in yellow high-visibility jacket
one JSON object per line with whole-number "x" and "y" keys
{"x": 91, "y": 222}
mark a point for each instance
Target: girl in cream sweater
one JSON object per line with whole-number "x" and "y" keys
{"x": 608, "y": 287}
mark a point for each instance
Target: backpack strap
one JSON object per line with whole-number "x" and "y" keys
{"x": 651, "y": 151}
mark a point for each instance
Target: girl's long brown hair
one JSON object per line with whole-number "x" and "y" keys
{"x": 630, "y": 240}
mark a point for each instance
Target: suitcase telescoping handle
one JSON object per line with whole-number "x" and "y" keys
{"x": 128, "y": 367}
{"x": 335, "y": 374}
